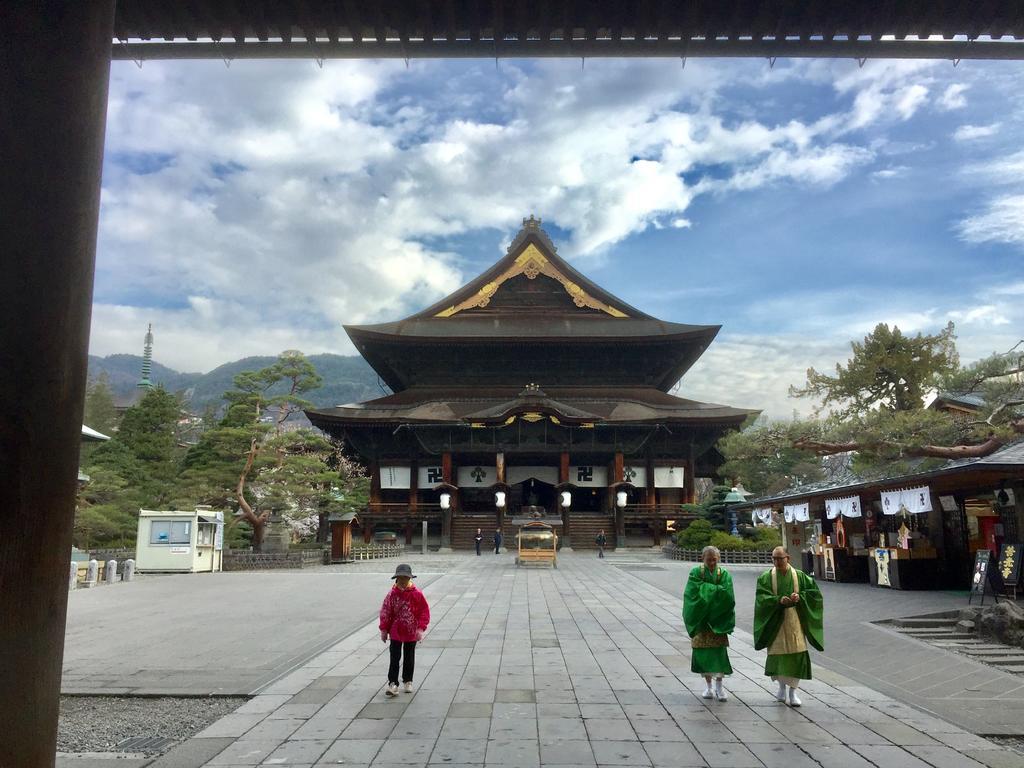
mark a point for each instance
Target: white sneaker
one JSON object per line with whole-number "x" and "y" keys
{"x": 720, "y": 693}
{"x": 408, "y": 687}
{"x": 780, "y": 695}
{"x": 708, "y": 694}
{"x": 794, "y": 700}
{"x": 392, "y": 689}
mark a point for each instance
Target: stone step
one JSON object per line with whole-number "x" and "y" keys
{"x": 1017, "y": 668}
{"x": 995, "y": 653}
{"x": 940, "y": 636}
{"x": 937, "y": 622}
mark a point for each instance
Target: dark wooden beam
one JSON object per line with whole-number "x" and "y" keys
{"x": 662, "y": 48}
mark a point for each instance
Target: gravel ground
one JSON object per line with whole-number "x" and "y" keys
{"x": 1016, "y": 743}
{"x": 99, "y": 723}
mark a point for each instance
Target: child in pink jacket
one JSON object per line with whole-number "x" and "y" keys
{"x": 404, "y": 617}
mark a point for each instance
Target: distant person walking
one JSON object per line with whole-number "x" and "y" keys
{"x": 497, "y": 541}
{"x": 478, "y": 539}
{"x": 601, "y": 540}
{"x": 404, "y": 617}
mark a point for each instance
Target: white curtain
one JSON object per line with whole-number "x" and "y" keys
{"x": 761, "y": 515}
{"x": 847, "y": 507}
{"x": 800, "y": 513}
{"x": 916, "y": 501}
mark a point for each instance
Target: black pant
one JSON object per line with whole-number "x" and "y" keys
{"x": 407, "y": 653}
{"x": 478, "y": 546}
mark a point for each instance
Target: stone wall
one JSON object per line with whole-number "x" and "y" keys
{"x": 240, "y": 560}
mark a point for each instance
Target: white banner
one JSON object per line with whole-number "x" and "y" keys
{"x": 848, "y": 506}
{"x": 428, "y": 477}
{"x": 588, "y": 476}
{"x": 761, "y": 516}
{"x": 800, "y": 513}
{"x": 515, "y": 475}
{"x": 668, "y": 477}
{"x": 913, "y": 500}
{"x": 635, "y": 475}
{"x": 470, "y": 477}
{"x": 218, "y": 537}
{"x": 395, "y": 477}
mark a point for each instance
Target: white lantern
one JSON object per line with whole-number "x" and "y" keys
{"x": 566, "y": 499}
{"x": 499, "y": 499}
{"x": 620, "y": 498}
{"x": 446, "y": 501}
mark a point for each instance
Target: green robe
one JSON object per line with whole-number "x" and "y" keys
{"x": 769, "y": 615}
{"x": 709, "y": 613}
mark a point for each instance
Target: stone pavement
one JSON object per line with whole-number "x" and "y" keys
{"x": 202, "y": 634}
{"x": 966, "y": 692}
{"x": 583, "y": 666}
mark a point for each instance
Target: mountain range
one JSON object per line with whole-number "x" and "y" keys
{"x": 347, "y": 379}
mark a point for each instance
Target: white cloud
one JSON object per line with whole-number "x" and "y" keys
{"x": 953, "y": 97}
{"x": 973, "y": 132}
{"x": 264, "y": 205}
{"x": 1002, "y": 222}
{"x": 891, "y": 172}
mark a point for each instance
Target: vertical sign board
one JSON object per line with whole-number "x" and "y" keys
{"x": 986, "y": 574}
{"x": 1009, "y": 565}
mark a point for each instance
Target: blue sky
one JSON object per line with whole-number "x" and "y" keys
{"x": 255, "y": 208}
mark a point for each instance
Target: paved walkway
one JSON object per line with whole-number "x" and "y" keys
{"x": 975, "y": 696}
{"x": 583, "y": 666}
{"x": 217, "y": 633}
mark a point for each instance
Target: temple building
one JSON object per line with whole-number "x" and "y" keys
{"x": 531, "y": 388}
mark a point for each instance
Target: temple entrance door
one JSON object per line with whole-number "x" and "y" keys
{"x": 533, "y": 493}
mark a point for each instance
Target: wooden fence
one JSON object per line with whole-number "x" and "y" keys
{"x": 732, "y": 556}
{"x": 376, "y": 551}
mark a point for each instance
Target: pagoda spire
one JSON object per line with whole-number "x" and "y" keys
{"x": 147, "y": 360}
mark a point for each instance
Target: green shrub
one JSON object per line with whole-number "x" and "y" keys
{"x": 726, "y": 541}
{"x": 767, "y": 537}
{"x": 696, "y": 535}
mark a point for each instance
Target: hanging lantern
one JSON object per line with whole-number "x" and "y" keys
{"x": 566, "y": 498}
{"x": 620, "y": 499}
{"x": 499, "y": 499}
{"x": 446, "y": 501}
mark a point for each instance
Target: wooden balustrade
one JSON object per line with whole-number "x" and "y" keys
{"x": 728, "y": 556}
{"x": 376, "y": 551}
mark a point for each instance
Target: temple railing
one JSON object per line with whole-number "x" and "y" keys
{"x": 656, "y": 512}
{"x": 392, "y": 510}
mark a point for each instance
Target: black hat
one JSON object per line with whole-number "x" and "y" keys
{"x": 403, "y": 570}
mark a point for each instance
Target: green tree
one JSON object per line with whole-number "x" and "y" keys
{"x": 879, "y": 416}
{"x": 250, "y": 456}
{"x": 100, "y": 413}
{"x": 887, "y": 371}
{"x": 762, "y": 455}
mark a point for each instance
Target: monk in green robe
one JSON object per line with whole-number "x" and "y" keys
{"x": 787, "y": 616}
{"x": 709, "y": 613}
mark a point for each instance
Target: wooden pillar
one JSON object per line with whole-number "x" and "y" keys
{"x": 689, "y": 481}
{"x": 649, "y": 487}
{"x": 446, "y": 514}
{"x": 499, "y": 468}
{"x": 563, "y": 477}
{"x": 54, "y": 71}
{"x": 414, "y": 500}
{"x": 620, "y": 520}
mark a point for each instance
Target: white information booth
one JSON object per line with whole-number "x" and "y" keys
{"x": 178, "y": 541}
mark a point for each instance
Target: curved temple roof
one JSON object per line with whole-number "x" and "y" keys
{"x": 531, "y": 314}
